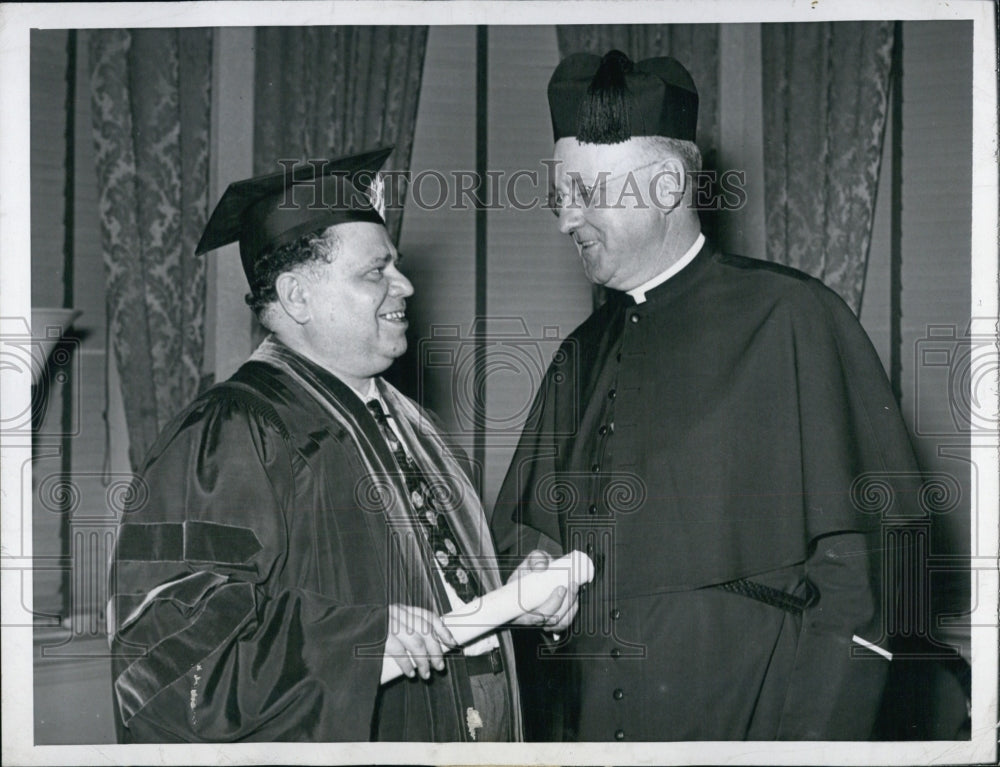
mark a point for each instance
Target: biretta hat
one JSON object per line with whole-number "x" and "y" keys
{"x": 267, "y": 211}
{"x": 610, "y": 99}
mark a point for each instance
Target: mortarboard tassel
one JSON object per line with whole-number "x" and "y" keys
{"x": 376, "y": 194}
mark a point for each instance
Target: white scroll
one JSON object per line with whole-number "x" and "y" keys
{"x": 518, "y": 597}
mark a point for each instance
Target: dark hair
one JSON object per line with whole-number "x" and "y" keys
{"x": 273, "y": 262}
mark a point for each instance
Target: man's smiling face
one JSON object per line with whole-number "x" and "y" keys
{"x": 357, "y": 304}
{"x": 620, "y": 234}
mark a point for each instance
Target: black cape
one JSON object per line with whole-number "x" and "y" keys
{"x": 730, "y": 427}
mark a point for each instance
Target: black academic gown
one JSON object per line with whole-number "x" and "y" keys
{"x": 257, "y": 567}
{"x": 711, "y": 434}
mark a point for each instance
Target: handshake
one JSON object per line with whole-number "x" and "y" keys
{"x": 541, "y": 592}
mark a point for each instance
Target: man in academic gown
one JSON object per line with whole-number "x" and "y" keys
{"x": 710, "y": 437}
{"x": 304, "y": 523}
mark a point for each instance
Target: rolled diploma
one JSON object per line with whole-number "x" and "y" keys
{"x": 502, "y": 605}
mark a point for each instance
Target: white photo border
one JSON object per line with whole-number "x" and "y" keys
{"x": 16, "y": 21}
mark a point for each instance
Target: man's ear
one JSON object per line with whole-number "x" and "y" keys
{"x": 669, "y": 182}
{"x": 293, "y": 295}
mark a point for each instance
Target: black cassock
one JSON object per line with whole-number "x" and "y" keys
{"x": 251, "y": 576}
{"x": 715, "y": 450}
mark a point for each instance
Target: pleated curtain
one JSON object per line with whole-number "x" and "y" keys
{"x": 322, "y": 92}
{"x": 825, "y": 99}
{"x": 150, "y": 102}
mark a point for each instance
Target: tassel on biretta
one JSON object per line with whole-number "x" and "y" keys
{"x": 603, "y": 117}
{"x": 610, "y": 99}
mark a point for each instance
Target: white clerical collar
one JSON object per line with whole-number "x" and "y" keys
{"x": 639, "y": 293}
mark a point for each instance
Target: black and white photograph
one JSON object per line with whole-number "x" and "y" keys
{"x": 499, "y": 382}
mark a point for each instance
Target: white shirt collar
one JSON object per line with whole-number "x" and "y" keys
{"x": 372, "y": 392}
{"x": 639, "y": 293}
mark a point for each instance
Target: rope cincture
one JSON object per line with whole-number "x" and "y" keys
{"x": 770, "y": 596}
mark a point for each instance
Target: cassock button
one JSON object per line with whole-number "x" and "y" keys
{"x": 612, "y": 394}
{"x": 595, "y": 468}
{"x": 603, "y": 430}
{"x": 592, "y": 509}
{"x": 635, "y": 319}
{"x": 615, "y": 652}
{"x": 618, "y": 694}
{"x": 619, "y": 734}
{"x": 616, "y": 614}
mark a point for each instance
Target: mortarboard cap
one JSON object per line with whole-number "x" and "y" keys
{"x": 610, "y": 99}
{"x": 267, "y": 211}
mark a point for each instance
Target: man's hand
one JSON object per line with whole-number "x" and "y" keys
{"x": 417, "y": 640}
{"x": 558, "y": 611}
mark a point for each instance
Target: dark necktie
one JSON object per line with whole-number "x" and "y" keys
{"x": 423, "y": 509}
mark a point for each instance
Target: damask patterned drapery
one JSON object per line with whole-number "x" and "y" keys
{"x": 150, "y": 110}
{"x": 825, "y": 100}
{"x": 696, "y": 46}
{"x": 321, "y": 92}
